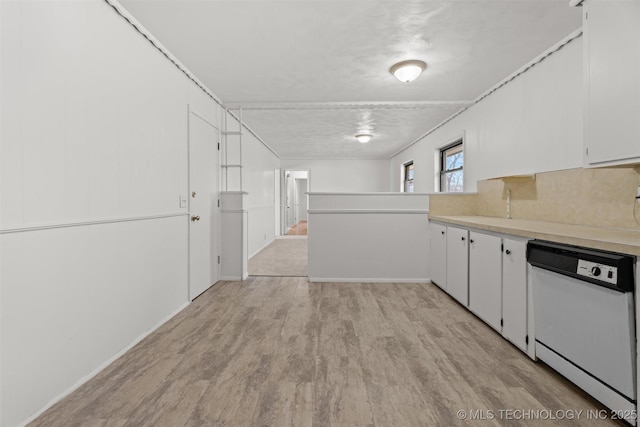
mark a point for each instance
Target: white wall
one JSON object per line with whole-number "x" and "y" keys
{"x": 93, "y": 160}
{"x": 260, "y": 172}
{"x": 356, "y": 176}
{"x": 342, "y": 246}
{"x": 298, "y": 174}
{"x": 532, "y": 124}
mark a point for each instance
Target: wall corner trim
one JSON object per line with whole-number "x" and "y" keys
{"x": 120, "y": 10}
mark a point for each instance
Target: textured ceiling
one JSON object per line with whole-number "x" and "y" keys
{"x": 310, "y": 74}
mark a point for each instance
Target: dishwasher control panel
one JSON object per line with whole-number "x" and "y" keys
{"x": 603, "y": 272}
{"x": 609, "y": 269}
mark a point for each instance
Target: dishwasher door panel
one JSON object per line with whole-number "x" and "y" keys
{"x": 589, "y": 325}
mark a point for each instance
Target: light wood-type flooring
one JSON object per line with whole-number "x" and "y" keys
{"x": 300, "y": 229}
{"x": 274, "y": 351}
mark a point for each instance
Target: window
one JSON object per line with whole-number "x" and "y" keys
{"x": 408, "y": 177}
{"x": 451, "y": 168}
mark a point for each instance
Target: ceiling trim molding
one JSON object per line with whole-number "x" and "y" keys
{"x": 120, "y": 10}
{"x": 535, "y": 61}
{"x": 131, "y": 20}
{"x": 306, "y": 159}
{"x": 378, "y": 105}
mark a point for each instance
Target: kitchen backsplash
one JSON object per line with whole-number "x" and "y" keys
{"x": 601, "y": 197}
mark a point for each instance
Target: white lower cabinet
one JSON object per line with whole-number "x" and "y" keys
{"x": 485, "y": 278}
{"x": 438, "y": 254}
{"x": 458, "y": 264}
{"x": 514, "y": 292}
{"x": 486, "y": 272}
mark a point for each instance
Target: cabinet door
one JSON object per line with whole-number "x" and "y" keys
{"x": 457, "y": 264}
{"x": 438, "y": 254}
{"x": 485, "y": 277}
{"x": 612, "y": 67}
{"x": 514, "y": 292}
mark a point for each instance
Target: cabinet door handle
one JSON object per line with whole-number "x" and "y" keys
{"x": 463, "y": 238}
{"x": 442, "y": 233}
{"x": 508, "y": 252}
{"x": 470, "y": 240}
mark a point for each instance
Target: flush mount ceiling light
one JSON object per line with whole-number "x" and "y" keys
{"x": 408, "y": 71}
{"x": 363, "y": 138}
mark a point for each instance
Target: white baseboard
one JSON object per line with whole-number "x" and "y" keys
{"x": 369, "y": 280}
{"x": 96, "y": 371}
{"x": 231, "y": 278}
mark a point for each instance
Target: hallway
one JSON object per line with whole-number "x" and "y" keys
{"x": 281, "y": 351}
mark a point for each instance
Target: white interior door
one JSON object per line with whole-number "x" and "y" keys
{"x": 295, "y": 184}
{"x": 294, "y": 202}
{"x": 290, "y": 205}
{"x": 277, "y": 201}
{"x": 301, "y": 200}
{"x": 204, "y": 216}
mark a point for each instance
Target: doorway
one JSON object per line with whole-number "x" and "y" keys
{"x": 287, "y": 255}
{"x": 295, "y": 202}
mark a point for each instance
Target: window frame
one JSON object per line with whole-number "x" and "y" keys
{"x": 405, "y": 180}
{"x": 443, "y": 171}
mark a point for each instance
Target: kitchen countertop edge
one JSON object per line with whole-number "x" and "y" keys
{"x": 608, "y": 239}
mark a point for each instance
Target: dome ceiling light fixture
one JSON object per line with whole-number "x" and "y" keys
{"x": 408, "y": 71}
{"x": 363, "y": 138}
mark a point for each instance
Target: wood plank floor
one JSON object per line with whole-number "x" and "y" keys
{"x": 276, "y": 351}
{"x": 300, "y": 229}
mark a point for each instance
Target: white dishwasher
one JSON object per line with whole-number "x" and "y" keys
{"x": 585, "y": 320}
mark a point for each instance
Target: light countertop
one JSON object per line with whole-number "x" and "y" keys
{"x": 608, "y": 239}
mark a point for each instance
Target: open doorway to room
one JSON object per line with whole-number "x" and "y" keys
{"x": 287, "y": 255}
{"x": 295, "y": 185}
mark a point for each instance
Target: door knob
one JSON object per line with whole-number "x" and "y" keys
{"x": 195, "y": 218}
